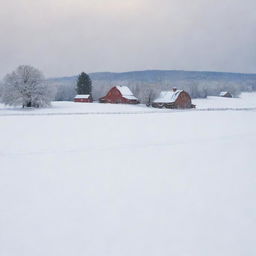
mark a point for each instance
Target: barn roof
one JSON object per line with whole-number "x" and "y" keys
{"x": 126, "y": 92}
{"x": 168, "y": 96}
{"x": 82, "y": 96}
{"x": 223, "y": 93}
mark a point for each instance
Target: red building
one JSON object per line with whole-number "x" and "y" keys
{"x": 83, "y": 98}
{"x": 173, "y": 99}
{"x": 119, "y": 94}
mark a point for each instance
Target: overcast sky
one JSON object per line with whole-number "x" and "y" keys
{"x": 65, "y": 37}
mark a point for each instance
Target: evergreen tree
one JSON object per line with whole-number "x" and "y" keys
{"x": 84, "y": 84}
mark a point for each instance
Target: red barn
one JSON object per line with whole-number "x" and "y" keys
{"x": 173, "y": 99}
{"x": 83, "y": 98}
{"x": 119, "y": 94}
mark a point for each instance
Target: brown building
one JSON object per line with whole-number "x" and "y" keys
{"x": 119, "y": 94}
{"x": 173, "y": 99}
{"x": 83, "y": 98}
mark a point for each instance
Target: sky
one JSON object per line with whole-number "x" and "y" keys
{"x": 66, "y": 37}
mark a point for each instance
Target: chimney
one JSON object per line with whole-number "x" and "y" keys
{"x": 174, "y": 89}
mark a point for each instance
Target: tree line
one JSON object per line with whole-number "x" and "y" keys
{"x": 26, "y": 86}
{"x": 146, "y": 91}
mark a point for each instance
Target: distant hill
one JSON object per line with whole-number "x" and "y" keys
{"x": 147, "y": 84}
{"x": 161, "y": 75}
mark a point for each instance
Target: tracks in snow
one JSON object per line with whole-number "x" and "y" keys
{"x": 162, "y": 111}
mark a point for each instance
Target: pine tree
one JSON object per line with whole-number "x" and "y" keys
{"x": 84, "y": 84}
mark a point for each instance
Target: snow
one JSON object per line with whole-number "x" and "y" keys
{"x": 175, "y": 183}
{"x": 126, "y": 92}
{"x": 130, "y": 97}
{"x": 223, "y": 93}
{"x": 82, "y": 96}
{"x": 168, "y": 96}
{"x": 247, "y": 101}
{"x": 74, "y": 108}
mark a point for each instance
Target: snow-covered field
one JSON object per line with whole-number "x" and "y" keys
{"x": 244, "y": 102}
{"x": 178, "y": 183}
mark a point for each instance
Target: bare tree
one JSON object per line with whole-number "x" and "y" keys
{"x": 27, "y": 87}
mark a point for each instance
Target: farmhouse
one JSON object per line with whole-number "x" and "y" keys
{"x": 119, "y": 94}
{"x": 226, "y": 94}
{"x": 83, "y": 98}
{"x": 173, "y": 99}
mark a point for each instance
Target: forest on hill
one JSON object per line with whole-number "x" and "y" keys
{"x": 146, "y": 85}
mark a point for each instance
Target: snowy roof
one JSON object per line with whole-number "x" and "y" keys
{"x": 126, "y": 92}
{"x": 223, "y": 93}
{"x": 130, "y": 97}
{"x": 168, "y": 96}
{"x": 82, "y": 96}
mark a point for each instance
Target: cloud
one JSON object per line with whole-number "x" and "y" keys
{"x": 64, "y": 37}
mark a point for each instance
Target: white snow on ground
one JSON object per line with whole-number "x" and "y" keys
{"x": 69, "y": 107}
{"x": 245, "y": 101}
{"x": 179, "y": 183}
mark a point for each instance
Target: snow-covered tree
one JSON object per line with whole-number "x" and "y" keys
{"x": 26, "y": 86}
